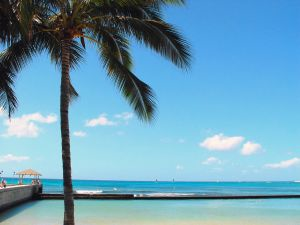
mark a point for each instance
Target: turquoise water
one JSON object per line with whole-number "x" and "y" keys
{"x": 167, "y": 212}
{"x": 182, "y": 212}
{"x": 152, "y": 187}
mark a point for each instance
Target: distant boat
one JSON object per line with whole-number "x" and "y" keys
{"x": 90, "y": 192}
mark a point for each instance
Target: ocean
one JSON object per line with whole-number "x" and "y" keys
{"x": 164, "y": 212}
{"x": 173, "y": 188}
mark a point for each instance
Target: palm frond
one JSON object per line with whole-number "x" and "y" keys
{"x": 12, "y": 60}
{"x": 170, "y": 2}
{"x": 119, "y": 45}
{"x": 53, "y": 46}
{"x": 114, "y": 53}
{"x": 26, "y": 15}
{"x": 8, "y": 100}
{"x": 136, "y": 8}
{"x": 73, "y": 93}
{"x": 9, "y": 25}
{"x": 159, "y": 36}
{"x": 17, "y": 55}
{"x": 139, "y": 95}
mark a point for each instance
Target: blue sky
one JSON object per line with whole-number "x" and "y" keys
{"x": 234, "y": 116}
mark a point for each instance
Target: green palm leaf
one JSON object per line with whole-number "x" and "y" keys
{"x": 8, "y": 99}
{"x": 114, "y": 53}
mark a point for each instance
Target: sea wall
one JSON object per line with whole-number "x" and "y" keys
{"x": 164, "y": 197}
{"x": 13, "y": 195}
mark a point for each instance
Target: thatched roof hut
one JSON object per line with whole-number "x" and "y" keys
{"x": 29, "y": 172}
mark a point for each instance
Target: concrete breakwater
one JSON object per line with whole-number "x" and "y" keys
{"x": 13, "y": 195}
{"x": 137, "y": 197}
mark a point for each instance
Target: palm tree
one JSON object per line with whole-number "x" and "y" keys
{"x": 61, "y": 27}
{"x": 8, "y": 28}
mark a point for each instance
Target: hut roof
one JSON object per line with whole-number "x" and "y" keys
{"x": 29, "y": 172}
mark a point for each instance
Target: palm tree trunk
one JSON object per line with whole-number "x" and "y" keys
{"x": 65, "y": 133}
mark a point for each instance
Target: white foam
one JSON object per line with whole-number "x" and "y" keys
{"x": 163, "y": 195}
{"x": 88, "y": 191}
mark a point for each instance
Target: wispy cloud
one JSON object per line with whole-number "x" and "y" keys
{"x": 211, "y": 161}
{"x": 25, "y": 126}
{"x": 220, "y": 142}
{"x": 102, "y": 120}
{"x": 124, "y": 116}
{"x": 179, "y": 167}
{"x": 250, "y": 148}
{"x": 284, "y": 164}
{"x": 13, "y": 158}
{"x": 79, "y": 134}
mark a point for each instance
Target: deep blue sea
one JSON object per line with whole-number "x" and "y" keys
{"x": 173, "y": 188}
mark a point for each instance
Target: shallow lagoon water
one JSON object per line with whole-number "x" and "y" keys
{"x": 158, "y": 212}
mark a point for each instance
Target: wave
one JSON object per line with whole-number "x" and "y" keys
{"x": 88, "y": 191}
{"x": 164, "y": 195}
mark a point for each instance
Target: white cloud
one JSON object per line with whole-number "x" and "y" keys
{"x": 211, "y": 161}
{"x": 79, "y": 134}
{"x": 102, "y": 120}
{"x": 39, "y": 118}
{"x": 219, "y": 142}
{"x": 25, "y": 126}
{"x": 250, "y": 148}
{"x": 179, "y": 167}
{"x": 13, "y": 158}
{"x": 124, "y": 116}
{"x": 284, "y": 164}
